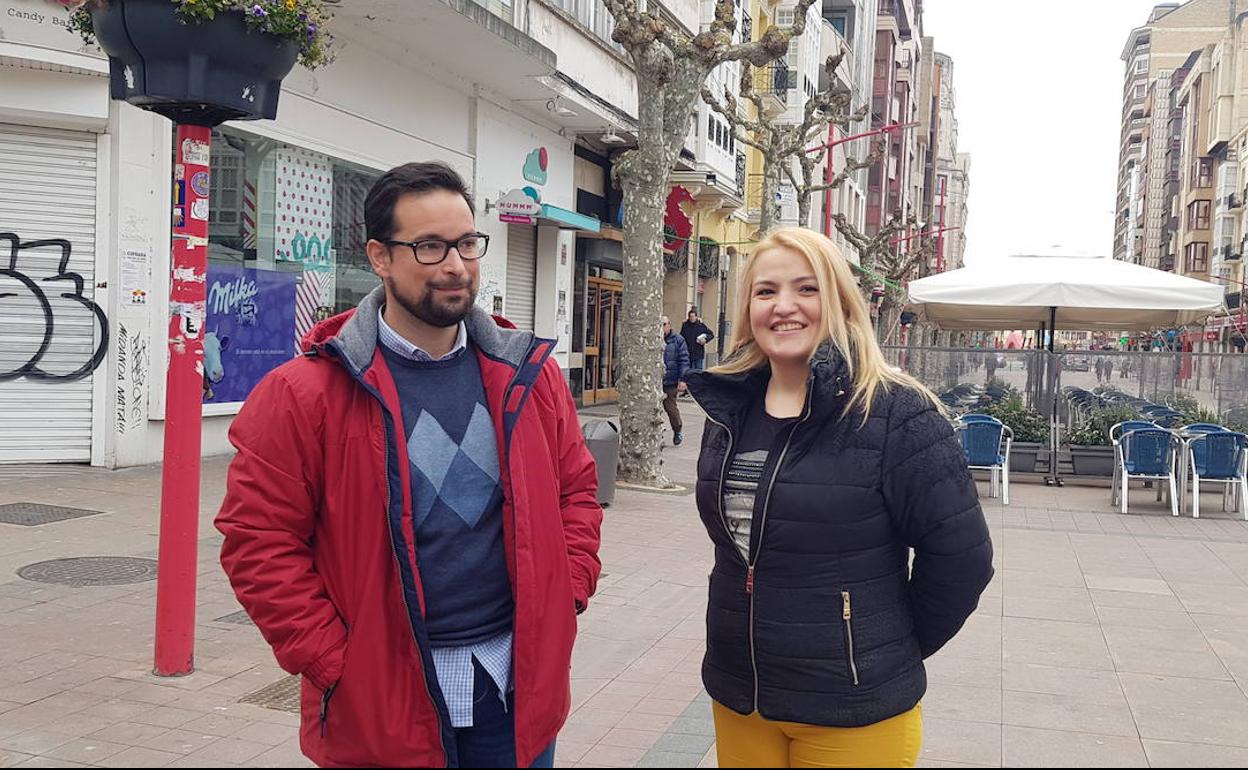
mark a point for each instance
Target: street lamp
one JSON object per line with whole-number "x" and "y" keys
{"x": 937, "y": 231}
{"x": 828, "y": 173}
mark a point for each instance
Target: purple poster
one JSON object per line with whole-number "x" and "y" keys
{"x": 251, "y": 329}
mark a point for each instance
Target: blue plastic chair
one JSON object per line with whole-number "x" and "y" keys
{"x": 986, "y": 444}
{"x": 1203, "y": 427}
{"x": 1219, "y": 457}
{"x": 1116, "y": 431}
{"x": 1147, "y": 453}
{"x": 976, "y": 417}
{"x": 1115, "y": 435}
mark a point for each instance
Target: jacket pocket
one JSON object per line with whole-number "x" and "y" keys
{"x": 848, "y": 617}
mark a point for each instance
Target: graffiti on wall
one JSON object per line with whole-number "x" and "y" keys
{"x": 132, "y": 370}
{"x": 26, "y": 352}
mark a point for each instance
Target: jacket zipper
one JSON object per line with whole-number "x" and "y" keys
{"x": 325, "y": 696}
{"x": 506, "y": 462}
{"x": 762, "y": 530}
{"x": 750, "y": 564}
{"x": 389, "y": 448}
{"x": 847, "y": 615}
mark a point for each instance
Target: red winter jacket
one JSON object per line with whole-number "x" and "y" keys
{"x": 320, "y": 547}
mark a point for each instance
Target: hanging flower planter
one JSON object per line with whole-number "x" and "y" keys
{"x": 203, "y": 62}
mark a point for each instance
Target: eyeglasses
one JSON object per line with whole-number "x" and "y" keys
{"x": 431, "y": 251}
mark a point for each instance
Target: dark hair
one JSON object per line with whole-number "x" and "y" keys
{"x": 401, "y": 180}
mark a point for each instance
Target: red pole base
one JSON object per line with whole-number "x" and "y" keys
{"x": 179, "y": 494}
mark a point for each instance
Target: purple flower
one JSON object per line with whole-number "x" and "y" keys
{"x": 312, "y": 30}
{"x": 258, "y": 12}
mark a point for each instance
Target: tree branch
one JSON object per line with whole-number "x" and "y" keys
{"x": 772, "y": 45}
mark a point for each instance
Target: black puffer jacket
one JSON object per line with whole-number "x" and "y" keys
{"x": 831, "y": 623}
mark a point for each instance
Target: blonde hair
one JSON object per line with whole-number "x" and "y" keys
{"x": 846, "y": 321}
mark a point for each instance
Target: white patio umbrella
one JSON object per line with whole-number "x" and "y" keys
{"x": 1084, "y": 293}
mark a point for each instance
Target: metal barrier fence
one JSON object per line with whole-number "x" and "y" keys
{"x": 1076, "y": 394}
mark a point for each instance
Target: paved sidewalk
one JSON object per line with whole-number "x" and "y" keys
{"x": 1105, "y": 639}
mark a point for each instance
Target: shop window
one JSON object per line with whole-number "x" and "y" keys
{"x": 285, "y": 250}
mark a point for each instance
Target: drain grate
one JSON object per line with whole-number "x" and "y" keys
{"x": 239, "y": 618}
{"x": 34, "y": 514}
{"x": 91, "y": 571}
{"x": 282, "y": 695}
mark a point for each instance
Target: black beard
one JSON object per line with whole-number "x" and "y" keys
{"x": 437, "y": 314}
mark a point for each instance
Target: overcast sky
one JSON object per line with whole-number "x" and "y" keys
{"x": 1039, "y": 104}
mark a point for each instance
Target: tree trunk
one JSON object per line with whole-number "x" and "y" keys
{"x": 767, "y": 206}
{"x": 803, "y": 209}
{"x": 641, "y": 343}
{"x": 665, "y": 111}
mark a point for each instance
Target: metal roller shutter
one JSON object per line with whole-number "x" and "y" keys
{"x": 52, "y": 334}
{"x": 521, "y": 275}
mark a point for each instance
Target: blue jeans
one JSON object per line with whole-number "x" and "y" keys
{"x": 491, "y": 741}
{"x": 697, "y": 363}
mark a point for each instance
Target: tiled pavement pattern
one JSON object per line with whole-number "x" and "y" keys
{"x": 1104, "y": 640}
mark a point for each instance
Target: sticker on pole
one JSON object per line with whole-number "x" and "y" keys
{"x": 199, "y": 210}
{"x": 199, "y": 183}
{"x": 194, "y": 153}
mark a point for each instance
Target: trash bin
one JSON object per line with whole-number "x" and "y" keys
{"x": 603, "y": 439}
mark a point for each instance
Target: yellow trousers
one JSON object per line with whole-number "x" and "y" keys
{"x": 752, "y": 741}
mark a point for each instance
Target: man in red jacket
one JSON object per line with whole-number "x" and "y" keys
{"x": 412, "y": 517}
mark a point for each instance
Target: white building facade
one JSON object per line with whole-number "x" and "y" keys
{"x": 85, "y": 207}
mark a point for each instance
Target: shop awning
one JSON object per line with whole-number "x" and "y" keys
{"x": 567, "y": 220}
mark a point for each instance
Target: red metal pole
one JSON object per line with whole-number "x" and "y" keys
{"x": 179, "y": 494}
{"x": 827, "y": 179}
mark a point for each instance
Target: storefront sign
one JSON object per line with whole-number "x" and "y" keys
{"x": 250, "y": 329}
{"x": 516, "y": 219}
{"x": 38, "y": 22}
{"x": 520, "y": 202}
{"x": 535, "y": 166}
{"x": 677, "y": 227}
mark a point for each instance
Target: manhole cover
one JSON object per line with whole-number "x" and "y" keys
{"x": 34, "y": 514}
{"x": 238, "y": 618}
{"x": 91, "y": 571}
{"x": 282, "y": 695}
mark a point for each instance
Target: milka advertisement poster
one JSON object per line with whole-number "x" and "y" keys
{"x": 251, "y": 329}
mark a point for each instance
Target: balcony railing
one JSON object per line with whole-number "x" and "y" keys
{"x": 775, "y": 80}
{"x": 754, "y": 199}
{"x": 708, "y": 259}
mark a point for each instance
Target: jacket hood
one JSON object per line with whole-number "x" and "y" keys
{"x": 353, "y": 334}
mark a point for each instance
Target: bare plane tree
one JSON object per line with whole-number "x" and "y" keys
{"x": 671, "y": 68}
{"x": 886, "y": 262}
{"x": 782, "y": 144}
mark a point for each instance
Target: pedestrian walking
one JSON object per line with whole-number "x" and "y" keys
{"x": 412, "y": 518}
{"x": 696, "y": 334}
{"x": 675, "y": 367}
{"x": 822, "y": 471}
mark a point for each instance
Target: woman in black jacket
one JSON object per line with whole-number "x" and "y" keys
{"x": 822, "y": 468}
